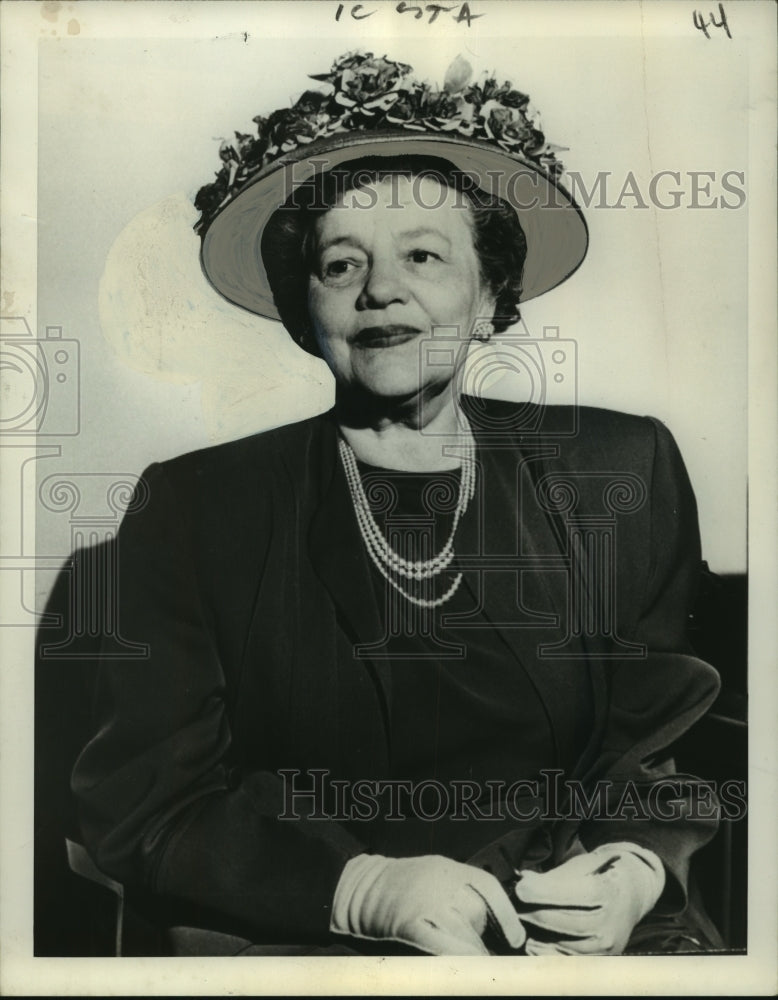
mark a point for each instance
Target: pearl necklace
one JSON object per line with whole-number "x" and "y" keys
{"x": 390, "y": 563}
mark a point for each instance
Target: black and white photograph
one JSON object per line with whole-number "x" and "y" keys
{"x": 389, "y": 464}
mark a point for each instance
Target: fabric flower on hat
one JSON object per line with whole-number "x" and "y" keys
{"x": 511, "y": 128}
{"x": 364, "y": 87}
{"x": 369, "y": 93}
{"x": 360, "y": 78}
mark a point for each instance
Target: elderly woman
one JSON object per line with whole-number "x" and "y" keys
{"x": 414, "y": 663}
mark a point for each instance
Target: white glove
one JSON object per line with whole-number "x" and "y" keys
{"x": 432, "y": 903}
{"x": 592, "y": 901}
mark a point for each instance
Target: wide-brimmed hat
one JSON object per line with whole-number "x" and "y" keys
{"x": 373, "y": 108}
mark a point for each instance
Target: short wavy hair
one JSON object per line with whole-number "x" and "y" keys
{"x": 287, "y": 242}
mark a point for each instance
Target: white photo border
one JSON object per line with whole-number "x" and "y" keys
{"x": 27, "y": 26}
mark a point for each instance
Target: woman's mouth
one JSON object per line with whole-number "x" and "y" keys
{"x": 385, "y": 336}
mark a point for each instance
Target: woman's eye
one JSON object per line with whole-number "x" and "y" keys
{"x": 336, "y": 267}
{"x": 422, "y": 256}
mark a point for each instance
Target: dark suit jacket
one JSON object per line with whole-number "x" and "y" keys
{"x": 246, "y": 574}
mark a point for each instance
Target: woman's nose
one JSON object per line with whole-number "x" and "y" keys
{"x": 385, "y": 284}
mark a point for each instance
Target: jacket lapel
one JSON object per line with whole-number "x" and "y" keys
{"x": 529, "y": 603}
{"x": 340, "y": 560}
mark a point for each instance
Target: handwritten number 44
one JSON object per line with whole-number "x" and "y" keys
{"x": 703, "y": 25}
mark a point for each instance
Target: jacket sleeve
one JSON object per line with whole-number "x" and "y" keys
{"x": 653, "y": 701}
{"x": 160, "y": 807}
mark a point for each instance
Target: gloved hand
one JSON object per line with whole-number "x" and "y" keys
{"x": 591, "y": 902}
{"x": 431, "y": 903}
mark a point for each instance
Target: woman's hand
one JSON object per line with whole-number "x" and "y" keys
{"x": 590, "y": 904}
{"x": 432, "y": 903}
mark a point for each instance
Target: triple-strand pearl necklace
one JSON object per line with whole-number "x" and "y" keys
{"x": 390, "y": 563}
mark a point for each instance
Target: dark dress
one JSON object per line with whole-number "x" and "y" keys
{"x": 239, "y": 767}
{"x": 464, "y": 709}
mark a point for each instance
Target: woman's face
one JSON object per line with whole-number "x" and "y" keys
{"x": 388, "y": 269}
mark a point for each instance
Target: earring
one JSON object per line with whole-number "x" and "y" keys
{"x": 483, "y": 330}
{"x": 305, "y": 339}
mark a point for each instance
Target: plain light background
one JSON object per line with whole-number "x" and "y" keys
{"x": 129, "y": 129}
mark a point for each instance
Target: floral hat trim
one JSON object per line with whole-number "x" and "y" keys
{"x": 369, "y": 94}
